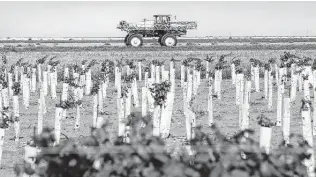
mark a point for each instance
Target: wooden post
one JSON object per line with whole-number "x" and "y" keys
{"x": 104, "y": 87}
{"x": 81, "y": 85}
{"x": 171, "y": 71}
{"x": 150, "y": 97}
{"x": 64, "y": 94}
{"x": 16, "y": 73}
{"x": 95, "y": 110}
{"x": 5, "y": 97}
{"x": 40, "y": 112}
{"x": 265, "y": 138}
{"x": 238, "y": 88}
{"x": 189, "y": 91}
{"x": 300, "y": 82}
{"x": 26, "y": 89}
{"x": 276, "y": 73}
{"x": 10, "y": 84}
{"x": 188, "y": 122}
{"x": 172, "y": 80}
{"x": 314, "y": 78}
{"x": 252, "y": 72}
{"x": 120, "y": 109}
{"x": 293, "y": 87}
{"x": 156, "y": 120}
{"x": 48, "y": 75}
{"x": 152, "y": 73}
{"x": 210, "y": 105}
{"x": 33, "y": 80}
{"x": 1, "y": 105}
{"x": 53, "y": 85}
{"x": 157, "y": 74}
{"x": 308, "y": 136}
{"x": 88, "y": 81}
{"x": 164, "y": 120}
{"x": 241, "y": 102}
{"x": 100, "y": 100}
{"x": 119, "y": 84}
{"x": 192, "y": 121}
{"x": 185, "y": 99}
{"x": 182, "y": 75}
{"x": 306, "y": 89}
{"x": 128, "y": 70}
{"x": 144, "y": 101}
{"x": 216, "y": 84}
{"x": 100, "y": 122}
{"x": 170, "y": 101}
{"x": 42, "y": 97}
{"x": 310, "y": 75}
{"x": 314, "y": 112}
{"x": 146, "y": 79}
{"x": 286, "y": 121}
{"x": 246, "y": 106}
{"x": 128, "y": 103}
{"x": 270, "y": 91}
{"x": 207, "y": 70}
{"x": 135, "y": 93}
{"x": 194, "y": 83}
{"x": 266, "y": 72}
{"x": 58, "y": 117}
{"x": 233, "y": 71}
{"x": 39, "y": 73}
{"x": 77, "y": 124}
{"x": 2, "y": 132}
{"x": 16, "y": 114}
{"x": 257, "y": 79}
{"x": 45, "y": 84}
{"x": 220, "y": 83}
{"x": 280, "y": 105}
{"x": 139, "y": 70}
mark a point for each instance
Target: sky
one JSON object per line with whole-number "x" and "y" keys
{"x": 99, "y": 19}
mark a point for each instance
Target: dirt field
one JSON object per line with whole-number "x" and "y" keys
{"x": 225, "y": 110}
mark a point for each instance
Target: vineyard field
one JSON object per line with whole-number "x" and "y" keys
{"x": 225, "y": 109}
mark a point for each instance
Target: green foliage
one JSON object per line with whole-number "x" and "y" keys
{"x": 157, "y": 62}
{"x": 42, "y": 60}
{"x": 95, "y": 88}
{"x": 107, "y": 67}
{"x": 68, "y": 104}
{"x": 131, "y": 64}
{"x": 53, "y": 63}
{"x": 255, "y": 62}
{"x": 83, "y": 62}
{"x": 264, "y": 121}
{"x": 267, "y": 66}
{"x": 6, "y": 118}
{"x": 239, "y": 70}
{"x": 209, "y": 58}
{"x": 247, "y": 73}
{"x": 91, "y": 64}
{"x": 159, "y": 92}
{"x": 236, "y": 62}
{"x": 306, "y": 105}
{"x": 4, "y": 59}
{"x": 145, "y": 156}
{"x": 314, "y": 65}
{"x": 272, "y": 60}
{"x": 16, "y": 88}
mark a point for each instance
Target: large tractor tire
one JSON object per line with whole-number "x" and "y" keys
{"x": 135, "y": 40}
{"x": 159, "y": 40}
{"x": 169, "y": 40}
{"x": 126, "y": 40}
